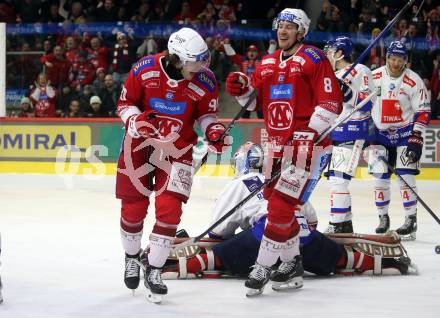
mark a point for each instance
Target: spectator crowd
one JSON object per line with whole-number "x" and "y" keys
{"x": 80, "y": 74}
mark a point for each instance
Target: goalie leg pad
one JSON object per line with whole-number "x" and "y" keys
{"x": 371, "y": 248}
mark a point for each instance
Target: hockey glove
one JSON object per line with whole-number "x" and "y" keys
{"x": 347, "y": 93}
{"x": 143, "y": 125}
{"x": 213, "y": 133}
{"x": 237, "y": 84}
{"x": 414, "y": 147}
{"x": 303, "y": 143}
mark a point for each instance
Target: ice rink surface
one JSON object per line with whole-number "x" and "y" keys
{"x": 62, "y": 257}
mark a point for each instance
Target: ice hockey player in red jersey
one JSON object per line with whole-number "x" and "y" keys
{"x": 300, "y": 97}
{"x": 162, "y": 98}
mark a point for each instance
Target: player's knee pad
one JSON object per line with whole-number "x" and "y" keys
{"x": 134, "y": 211}
{"x": 168, "y": 208}
{"x": 403, "y": 164}
{"x": 345, "y": 158}
{"x": 280, "y": 210}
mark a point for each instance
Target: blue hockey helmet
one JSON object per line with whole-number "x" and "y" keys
{"x": 397, "y": 48}
{"x": 342, "y": 43}
{"x": 248, "y": 157}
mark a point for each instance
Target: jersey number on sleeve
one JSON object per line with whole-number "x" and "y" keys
{"x": 327, "y": 85}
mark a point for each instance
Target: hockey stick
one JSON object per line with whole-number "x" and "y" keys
{"x": 231, "y": 125}
{"x": 324, "y": 134}
{"x": 427, "y": 208}
{"x": 381, "y": 34}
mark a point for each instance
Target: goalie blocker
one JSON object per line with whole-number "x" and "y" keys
{"x": 345, "y": 254}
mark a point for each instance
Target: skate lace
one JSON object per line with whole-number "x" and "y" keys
{"x": 131, "y": 268}
{"x": 154, "y": 276}
{"x": 259, "y": 272}
{"x": 286, "y": 267}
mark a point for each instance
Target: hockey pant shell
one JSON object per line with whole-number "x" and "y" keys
{"x": 238, "y": 254}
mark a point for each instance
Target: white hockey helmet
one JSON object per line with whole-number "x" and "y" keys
{"x": 190, "y": 47}
{"x": 296, "y": 16}
{"x": 248, "y": 157}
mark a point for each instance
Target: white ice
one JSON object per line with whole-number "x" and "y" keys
{"x": 62, "y": 257}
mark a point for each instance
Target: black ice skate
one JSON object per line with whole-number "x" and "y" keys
{"x": 153, "y": 282}
{"x": 408, "y": 230}
{"x": 289, "y": 275}
{"x": 341, "y": 227}
{"x": 258, "y": 278}
{"x": 384, "y": 224}
{"x": 132, "y": 269}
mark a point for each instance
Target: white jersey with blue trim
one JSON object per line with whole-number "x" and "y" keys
{"x": 402, "y": 103}
{"x": 254, "y": 210}
{"x": 235, "y": 191}
{"x": 360, "y": 81}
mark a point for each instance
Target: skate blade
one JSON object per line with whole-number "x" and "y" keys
{"x": 251, "y": 292}
{"x": 408, "y": 237}
{"x": 294, "y": 283}
{"x": 154, "y": 298}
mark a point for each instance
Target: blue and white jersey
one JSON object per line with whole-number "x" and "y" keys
{"x": 360, "y": 81}
{"x": 253, "y": 214}
{"x": 402, "y": 105}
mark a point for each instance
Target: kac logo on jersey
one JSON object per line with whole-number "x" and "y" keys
{"x": 168, "y": 125}
{"x": 169, "y": 95}
{"x": 281, "y": 91}
{"x": 281, "y": 78}
{"x": 280, "y": 115}
{"x": 167, "y": 107}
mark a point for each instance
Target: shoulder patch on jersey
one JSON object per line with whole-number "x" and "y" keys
{"x": 196, "y": 89}
{"x": 147, "y": 61}
{"x": 207, "y": 80}
{"x": 268, "y": 61}
{"x": 408, "y": 81}
{"x": 252, "y": 183}
{"x": 298, "y": 59}
{"x": 314, "y": 54}
{"x": 377, "y": 75}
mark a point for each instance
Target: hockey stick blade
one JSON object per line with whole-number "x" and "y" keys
{"x": 427, "y": 208}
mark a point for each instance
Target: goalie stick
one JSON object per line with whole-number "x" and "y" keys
{"x": 274, "y": 177}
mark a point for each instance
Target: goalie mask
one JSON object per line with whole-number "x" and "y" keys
{"x": 248, "y": 157}
{"x": 191, "y": 49}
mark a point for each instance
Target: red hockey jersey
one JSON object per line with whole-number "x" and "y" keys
{"x": 290, "y": 90}
{"x": 179, "y": 103}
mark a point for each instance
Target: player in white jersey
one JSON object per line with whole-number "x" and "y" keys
{"x": 400, "y": 113}
{"x": 349, "y": 138}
